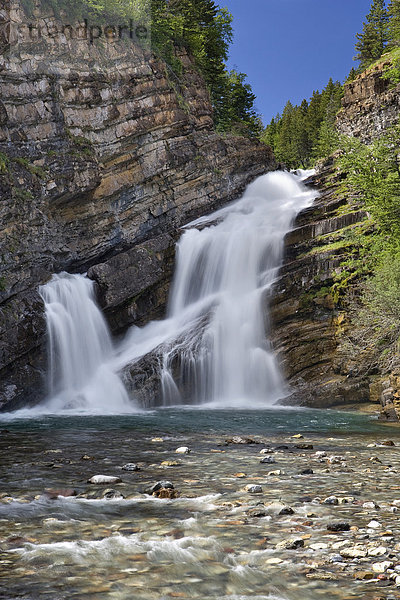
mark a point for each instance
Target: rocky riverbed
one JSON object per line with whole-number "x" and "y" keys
{"x": 277, "y": 515}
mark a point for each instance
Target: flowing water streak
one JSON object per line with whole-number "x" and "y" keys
{"x": 80, "y": 349}
{"x": 213, "y": 347}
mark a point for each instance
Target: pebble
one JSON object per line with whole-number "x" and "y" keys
{"x": 277, "y": 472}
{"x": 292, "y": 544}
{"x": 266, "y": 451}
{"x": 343, "y": 526}
{"x": 330, "y": 500}
{"x": 319, "y": 546}
{"x": 253, "y": 489}
{"x": 269, "y": 460}
{"x": 371, "y": 505}
{"x": 379, "y": 551}
{"x": 170, "y": 463}
{"x": 160, "y": 484}
{"x": 104, "y": 479}
{"x": 382, "y": 567}
{"x": 157, "y": 439}
{"x": 374, "y": 525}
{"x": 113, "y": 495}
{"x": 182, "y": 450}
{"x": 304, "y": 446}
{"x": 130, "y": 467}
{"x": 320, "y": 454}
{"x": 306, "y": 472}
{"x": 298, "y": 436}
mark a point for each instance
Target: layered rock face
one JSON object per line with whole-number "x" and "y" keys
{"x": 99, "y": 168}
{"x": 369, "y": 106}
{"x": 307, "y": 321}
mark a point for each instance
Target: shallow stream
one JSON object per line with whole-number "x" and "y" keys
{"x": 216, "y": 540}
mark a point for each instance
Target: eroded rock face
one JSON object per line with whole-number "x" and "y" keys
{"x": 307, "y": 322}
{"x": 369, "y": 106}
{"x": 98, "y": 171}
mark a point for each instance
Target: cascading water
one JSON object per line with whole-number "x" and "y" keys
{"x": 213, "y": 346}
{"x": 80, "y": 349}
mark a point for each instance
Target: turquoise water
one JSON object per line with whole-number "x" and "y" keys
{"x": 204, "y": 544}
{"x": 187, "y": 420}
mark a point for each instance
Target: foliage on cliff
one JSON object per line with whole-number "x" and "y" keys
{"x": 304, "y": 133}
{"x": 205, "y": 30}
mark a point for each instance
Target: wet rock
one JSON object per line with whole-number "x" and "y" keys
{"x": 268, "y": 460}
{"x": 267, "y": 451}
{"x": 320, "y": 454}
{"x": 306, "y": 472}
{"x": 159, "y": 485}
{"x": 304, "y": 446}
{"x": 335, "y": 460}
{"x": 356, "y": 551}
{"x": 87, "y": 457}
{"x": 292, "y": 544}
{"x": 319, "y": 546}
{"x": 382, "y": 567}
{"x": 282, "y": 447}
{"x": 364, "y": 575}
{"x": 339, "y": 526}
{"x": 54, "y": 494}
{"x": 298, "y": 436}
{"x": 386, "y": 443}
{"x": 112, "y": 495}
{"x": 182, "y": 450}
{"x": 253, "y": 489}
{"x": 331, "y": 500}
{"x": 378, "y": 551}
{"x": 257, "y": 511}
{"x": 104, "y": 479}
{"x": 278, "y": 508}
{"x": 374, "y": 524}
{"x": 276, "y": 473}
{"x": 237, "y": 439}
{"x": 130, "y": 467}
{"x": 371, "y": 505}
{"x": 336, "y": 558}
{"x": 166, "y": 493}
{"x": 157, "y": 439}
{"x": 170, "y": 463}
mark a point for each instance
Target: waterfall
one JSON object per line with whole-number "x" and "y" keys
{"x": 213, "y": 347}
{"x": 80, "y": 350}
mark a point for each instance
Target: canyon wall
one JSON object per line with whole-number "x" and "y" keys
{"x": 99, "y": 168}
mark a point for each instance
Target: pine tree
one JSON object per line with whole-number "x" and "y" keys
{"x": 394, "y": 23}
{"x": 371, "y": 43}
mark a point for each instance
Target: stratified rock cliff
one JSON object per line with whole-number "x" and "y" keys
{"x": 98, "y": 171}
{"x": 370, "y": 104}
{"x": 316, "y": 294}
{"x": 307, "y": 319}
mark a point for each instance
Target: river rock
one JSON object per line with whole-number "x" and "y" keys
{"x": 306, "y": 472}
{"x": 112, "y": 495}
{"x": 292, "y": 544}
{"x": 268, "y": 460}
{"x": 160, "y": 484}
{"x": 130, "y": 467}
{"x": 371, "y": 505}
{"x": 182, "y": 450}
{"x": 166, "y": 493}
{"x": 279, "y": 508}
{"x": 304, "y": 446}
{"x": 276, "y": 473}
{"x": 382, "y": 567}
{"x": 238, "y": 439}
{"x": 54, "y": 494}
{"x": 374, "y": 524}
{"x": 298, "y": 436}
{"x": 267, "y": 451}
{"x": 378, "y": 551}
{"x": 331, "y": 500}
{"x": 104, "y": 479}
{"x": 253, "y": 489}
{"x": 339, "y": 526}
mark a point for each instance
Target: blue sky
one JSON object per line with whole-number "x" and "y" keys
{"x": 288, "y": 48}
